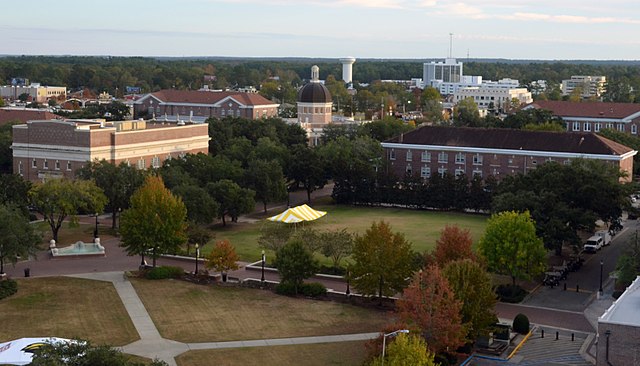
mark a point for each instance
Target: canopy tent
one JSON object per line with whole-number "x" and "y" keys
{"x": 298, "y": 214}
{"x": 20, "y": 351}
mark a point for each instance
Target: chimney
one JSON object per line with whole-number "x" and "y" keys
{"x": 401, "y": 137}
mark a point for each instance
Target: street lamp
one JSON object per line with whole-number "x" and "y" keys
{"x": 95, "y": 231}
{"x": 197, "y": 255}
{"x": 600, "y": 290}
{"x": 384, "y": 340}
{"x": 348, "y": 292}
{"x": 262, "y": 278}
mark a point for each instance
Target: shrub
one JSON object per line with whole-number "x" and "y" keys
{"x": 314, "y": 289}
{"x": 511, "y": 294}
{"x": 163, "y": 272}
{"x": 286, "y": 289}
{"x": 521, "y": 324}
{"x": 8, "y": 288}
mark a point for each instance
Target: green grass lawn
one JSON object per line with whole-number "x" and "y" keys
{"x": 66, "y": 307}
{"x": 339, "y": 354}
{"x": 188, "y": 312}
{"x": 421, "y": 228}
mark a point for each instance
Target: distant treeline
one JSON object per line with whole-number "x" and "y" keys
{"x": 113, "y": 74}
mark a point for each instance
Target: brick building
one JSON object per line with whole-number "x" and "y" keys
{"x": 594, "y": 116}
{"x": 56, "y": 149}
{"x": 197, "y": 106}
{"x": 23, "y": 115}
{"x": 619, "y": 330}
{"x": 498, "y": 152}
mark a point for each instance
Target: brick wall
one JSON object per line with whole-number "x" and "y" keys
{"x": 623, "y": 345}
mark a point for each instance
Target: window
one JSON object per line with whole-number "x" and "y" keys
{"x": 534, "y": 162}
{"x": 460, "y": 158}
{"x": 155, "y": 162}
{"x": 597, "y": 127}
{"x": 392, "y": 154}
{"x": 609, "y": 125}
{"x": 20, "y": 168}
{"x": 128, "y": 163}
{"x": 459, "y": 172}
{"x": 442, "y": 170}
{"x": 510, "y": 161}
{"x": 477, "y": 172}
{"x": 57, "y": 166}
{"x": 141, "y": 164}
{"x": 425, "y": 172}
{"x": 443, "y": 157}
{"x": 408, "y": 169}
{"x": 566, "y": 162}
{"x": 45, "y": 164}
{"x": 409, "y": 155}
{"x": 69, "y": 165}
{"x": 620, "y": 127}
{"x": 222, "y": 112}
{"x": 634, "y": 129}
{"x": 34, "y": 164}
{"x": 587, "y": 127}
{"x": 576, "y": 126}
{"x": 426, "y": 157}
{"x": 477, "y": 159}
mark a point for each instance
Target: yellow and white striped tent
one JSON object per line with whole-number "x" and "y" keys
{"x": 298, "y": 214}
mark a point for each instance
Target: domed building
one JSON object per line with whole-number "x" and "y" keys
{"x": 314, "y": 107}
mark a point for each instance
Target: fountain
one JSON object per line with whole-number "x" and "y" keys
{"x": 79, "y": 249}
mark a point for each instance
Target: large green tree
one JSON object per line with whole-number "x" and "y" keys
{"x": 266, "y": 179}
{"x": 118, "y": 182}
{"x": 307, "y": 168}
{"x": 382, "y": 261}
{"x": 295, "y": 263}
{"x": 201, "y": 207}
{"x": 155, "y": 221}
{"x": 511, "y": 246}
{"x": 58, "y": 199}
{"x": 406, "y": 350}
{"x": 232, "y": 199}
{"x": 18, "y": 238}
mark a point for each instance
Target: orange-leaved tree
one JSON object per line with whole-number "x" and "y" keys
{"x": 223, "y": 258}
{"x": 454, "y": 244}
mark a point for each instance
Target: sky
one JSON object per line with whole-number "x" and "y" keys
{"x": 383, "y": 29}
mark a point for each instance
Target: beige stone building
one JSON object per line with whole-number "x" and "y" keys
{"x": 38, "y": 93}
{"x": 55, "y": 149}
{"x": 314, "y": 107}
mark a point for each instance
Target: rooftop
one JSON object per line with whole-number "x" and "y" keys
{"x": 209, "y": 97}
{"x": 588, "y": 109}
{"x": 625, "y": 309}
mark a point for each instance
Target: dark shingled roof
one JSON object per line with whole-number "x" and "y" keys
{"x": 588, "y": 109}
{"x": 209, "y": 97}
{"x": 24, "y": 115}
{"x": 314, "y": 93}
{"x": 510, "y": 139}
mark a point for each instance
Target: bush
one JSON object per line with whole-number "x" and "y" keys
{"x": 521, "y": 324}
{"x": 511, "y": 294}
{"x": 164, "y": 272}
{"x": 8, "y": 288}
{"x": 314, "y": 289}
{"x": 286, "y": 289}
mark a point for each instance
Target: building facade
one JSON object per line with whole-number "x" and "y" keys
{"x": 589, "y": 86}
{"x": 56, "y": 149}
{"x": 496, "y": 152}
{"x": 500, "y": 98}
{"x": 196, "y": 106}
{"x": 314, "y": 107}
{"x": 594, "y": 116}
{"x": 36, "y": 92}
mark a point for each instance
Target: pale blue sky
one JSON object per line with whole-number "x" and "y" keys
{"x": 517, "y": 29}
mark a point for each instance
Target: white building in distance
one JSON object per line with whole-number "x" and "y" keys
{"x": 591, "y": 86}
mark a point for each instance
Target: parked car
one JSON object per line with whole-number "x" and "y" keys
{"x": 606, "y": 237}
{"x": 593, "y": 244}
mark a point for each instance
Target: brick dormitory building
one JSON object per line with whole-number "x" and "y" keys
{"x": 498, "y": 152}
{"x": 55, "y": 149}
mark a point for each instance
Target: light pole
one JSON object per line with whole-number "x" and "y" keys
{"x": 95, "y": 231}
{"x": 262, "y": 278}
{"x": 348, "y": 292}
{"x": 600, "y": 289}
{"x": 197, "y": 255}
{"x": 384, "y": 340}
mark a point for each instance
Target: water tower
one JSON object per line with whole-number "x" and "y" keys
{"x": 347, "y": 74}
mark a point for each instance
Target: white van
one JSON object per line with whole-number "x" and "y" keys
{"x": 593, "y": 244}
{"x": 606, "y": 237}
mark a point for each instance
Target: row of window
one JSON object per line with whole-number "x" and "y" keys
{"x": 597, "y": 126}
{"x": 316, "y": 110}
{"x": 425, "y": 171}
{"x": 45, "y": 165}
{"x": 443, "y": 157}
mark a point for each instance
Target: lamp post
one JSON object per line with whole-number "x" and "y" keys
{"x": 262, "y": 278}
{"x": 348, "y": 292}
{"x": 95, "y": 231}
{"x": 600, "y": 289}
{"x": 197, "y": 255}
{"x": 384, "y": 340}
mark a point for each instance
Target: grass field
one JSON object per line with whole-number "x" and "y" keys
{"x": 68, "y": 235}
{"x": 421, "y": 228}
{"x": 68, "y": 308}
{"x": 194, "y": 313}
{"x": 339, "y": 354}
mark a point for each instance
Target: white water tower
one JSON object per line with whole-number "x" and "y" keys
{"x": 347, "y": 74}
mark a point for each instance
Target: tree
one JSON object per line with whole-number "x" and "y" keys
{"x": 14, "y": 190}
{"x": 6, "y": 139}
{"x": 57, "y": 199}
{"x": 266, "y": 180}
{"x": 511, "y": 246}
{"x": 274, "y": 236}
{"x": 471, "y": 286}
{"x": 382, "y": 261}
{"x": 454, "y": 243}
{"x": 201, "y": 208}
{"x": 83, "y": 353}
{"x": 232, "y": 199}
{"x": 295, "y": 263}
{"x": 430, "y": 304}
{"x": 465, "y": 113}
{"x": 407, "y": 350}
{"x": 223, "y": 258}
{"x": 155, "y": 221}
{"x": 17, "y": 236}
{"x": 307, "y": 167}
{"x": 118, "y": 182}
{"x": 336, "y": 245}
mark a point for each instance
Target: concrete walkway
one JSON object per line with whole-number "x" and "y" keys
{"x": 152, "y": 345}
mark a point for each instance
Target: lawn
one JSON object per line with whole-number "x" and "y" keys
{"x": 188, "y": 312}
{"x": 66, "y": 307}
{"x": 421, "y": 228}
{"x": 68, "y": 234}
{"x": 342, "y": 353}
